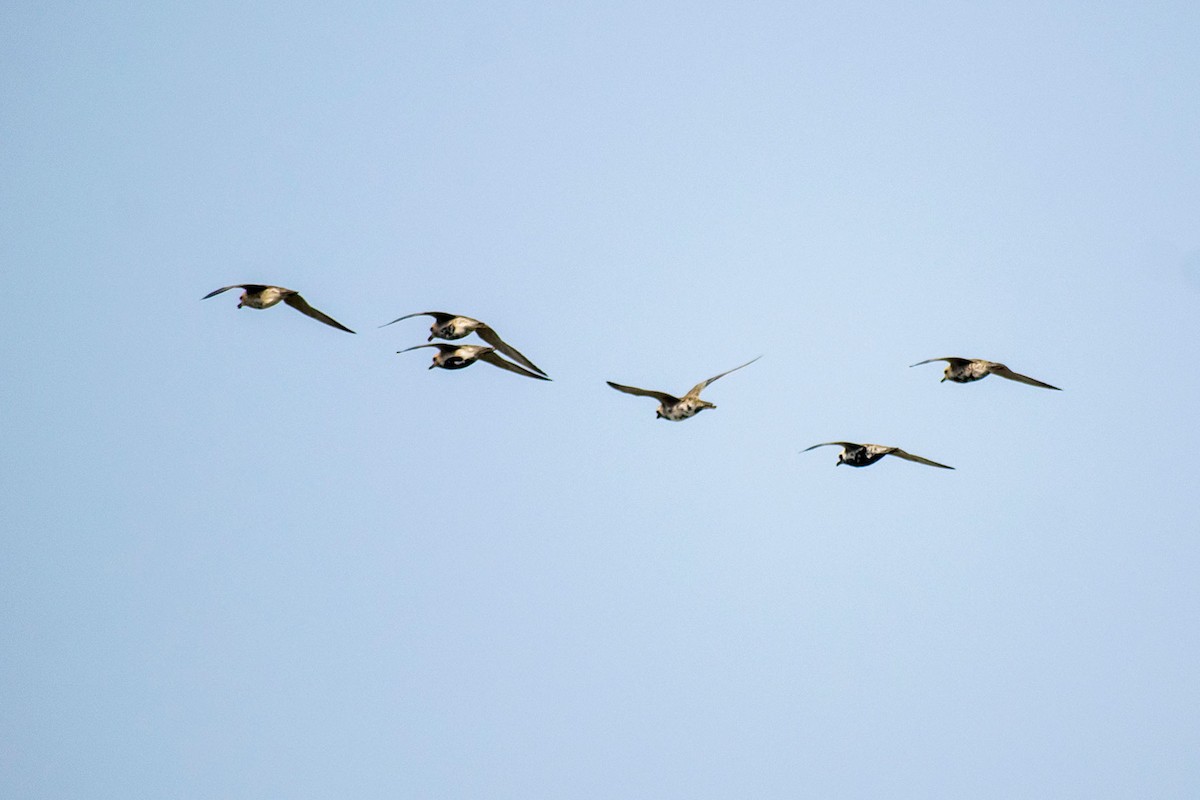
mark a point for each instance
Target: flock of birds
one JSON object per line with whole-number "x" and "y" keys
{"x": 458, "y": 356}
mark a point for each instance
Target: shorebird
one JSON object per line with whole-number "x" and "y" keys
{"x": 459, "y": 356}
{"x": 965, "y": 370}
{"x": 864, "y": 455}
{"x": 679, "y": 408}
{"x": 456, "y": 326}
{"x": 256, "y": 295}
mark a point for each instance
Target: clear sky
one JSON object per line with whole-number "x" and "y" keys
{"x": 245, "y": 555}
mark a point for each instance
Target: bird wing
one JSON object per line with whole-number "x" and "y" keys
{"x": 662, "y": 397}
{"x": 953, "y": 360}
{"x": 839, "y": 444}
{"x": 441, "y": 316}
{"x": 489, "y": 335}
{"x": 896, "y": 451}
{"x": 695, "y": 392}
{"x": 300, "y": 304}
{"x": 445, "y": 348}
{"x": 253, "y": 287}
{"x": 1005, "y": 372}
{"x": 490, "y": 357}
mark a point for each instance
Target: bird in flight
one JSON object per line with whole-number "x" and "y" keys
{"x": 256, "y": 295}
{"x": 864, "y": 455}
{"x": 460, "y": 356}
{"x": 675, "y": 408}
{"x": 456, "y": 326}
{"x": 965, "y": 370}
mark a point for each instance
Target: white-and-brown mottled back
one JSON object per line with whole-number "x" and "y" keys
{"x": 966, "y": 370}
{"x": 675, "y": 408}
{"x": 864, "y": 455}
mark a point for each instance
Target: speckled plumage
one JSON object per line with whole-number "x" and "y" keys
{"x": 257, "y": 295}
{"x": 675, "y": 408}
{"x": 864, "y": 455}
{"x": 460, "y": 356}
{"x": 966, "y": 370}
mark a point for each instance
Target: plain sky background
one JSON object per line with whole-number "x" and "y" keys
{"x": 245, "y": 555}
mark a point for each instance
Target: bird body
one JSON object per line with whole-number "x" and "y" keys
{"x": 257, "y": 295}
{"x": 460, "y": 356}
{"x": 966, "y": 370}
{"x": 456, "y": 326}
{"x": 676, "y": 409}
{"x": 864, "y": 455}
{"x": 264, "y": 297}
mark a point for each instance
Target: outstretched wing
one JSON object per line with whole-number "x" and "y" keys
{"x": 953, "y": 360}
{"x": 1005, "y": 372}
{"x": 441, "y": 316}
{"x": 491, "y": 337}
{"x": 490, "y": 357}
{"x": 823, "y": 444}
{"x": 896, "y": 451}
{"x": 252, "y": 287}
{"x": 661, "y": 397}
{"x": 445, "y": 348}
{"x": 300, "y": 304}
{"x": 695, "y": 391}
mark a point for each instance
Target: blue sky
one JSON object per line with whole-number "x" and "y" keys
{"x": 247, "y": 555}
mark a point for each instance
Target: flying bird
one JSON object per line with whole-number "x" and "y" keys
{"x": 256, "y": 295}
{"x": 675, "y": 408}
{"x": 965, "y": 370}
{"x": 864, "y": 455}
{"x": 460, "y": 356}
{"x": 455, "y": 326}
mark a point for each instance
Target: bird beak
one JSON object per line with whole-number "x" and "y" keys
{"x": 943, "y": 380}
{"x": 430, "y": 339}
{"x": 431, "y": 366}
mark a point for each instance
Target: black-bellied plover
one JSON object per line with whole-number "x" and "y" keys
{"x": 965, "y": 370}
{"x": 675, "y": 408}
{"x": 864, "y": 455}
{"x": 459, "y": 356}
{"x": 257, "y": 295}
